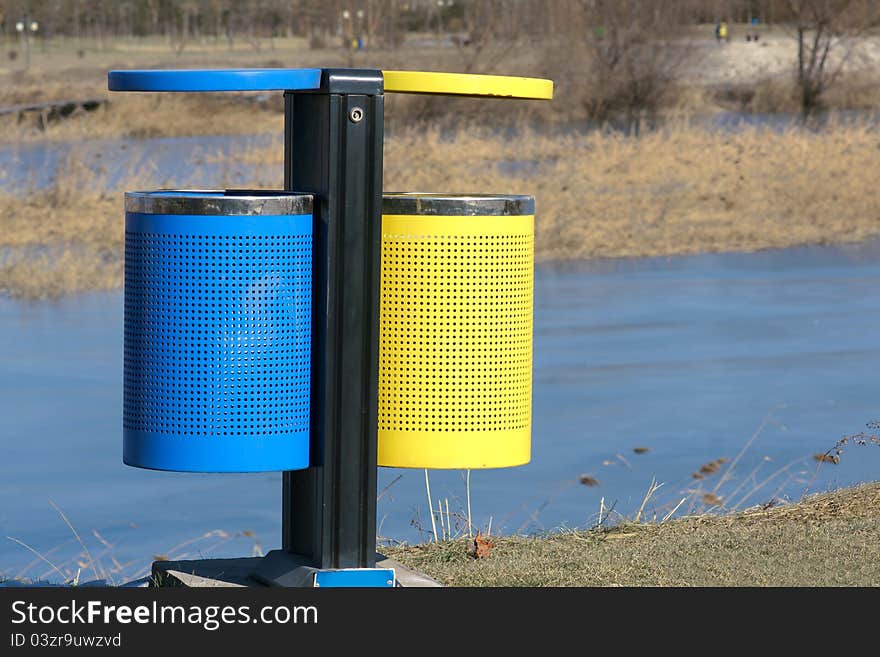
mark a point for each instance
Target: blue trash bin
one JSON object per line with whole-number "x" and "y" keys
{"x": 218, "y": 289}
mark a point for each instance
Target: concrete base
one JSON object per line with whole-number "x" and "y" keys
{"x": 205, "y": 573}
{"x": 278, "y": 568}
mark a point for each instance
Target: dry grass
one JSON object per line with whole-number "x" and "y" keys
{"x": 827, "y": 540}
{"x": 61, "y": 240}
{"x": 675, "y": 191}
{"x": 152, "y": 115}
{"x": 669, "y": 192}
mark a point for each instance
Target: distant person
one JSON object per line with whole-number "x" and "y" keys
{"x": 723, "y": 34}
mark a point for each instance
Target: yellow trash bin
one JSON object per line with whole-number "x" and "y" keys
{"x": 455, "y": 352}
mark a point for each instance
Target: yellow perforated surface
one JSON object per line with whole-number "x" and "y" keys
{"x": 455, "y": 353}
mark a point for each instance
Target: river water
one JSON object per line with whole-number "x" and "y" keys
{"x": 689, "y": 357}
{"x": 196, "y": 162}
{"x": 216, "y": 161}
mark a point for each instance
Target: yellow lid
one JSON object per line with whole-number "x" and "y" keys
{"x": 467, "y": 84}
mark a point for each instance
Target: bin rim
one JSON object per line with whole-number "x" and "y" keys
{"x": 450, "y": 205}
{"x": 219, "y": 202}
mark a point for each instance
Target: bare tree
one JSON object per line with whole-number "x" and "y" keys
{"x": 631, "y": 50}
{"x": 484, "y": 44}
{"x": 828, "y": 34}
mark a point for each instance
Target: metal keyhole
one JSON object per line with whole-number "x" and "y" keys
{"x": 356, "y": 115}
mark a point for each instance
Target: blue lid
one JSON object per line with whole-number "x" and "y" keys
{"x": 234, "y": 79}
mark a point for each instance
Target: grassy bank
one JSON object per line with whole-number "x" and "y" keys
{"x": 827, "y": 540}
{"x": 681, "y": 190}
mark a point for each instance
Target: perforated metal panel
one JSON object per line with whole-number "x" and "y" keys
{"x": 455, "y": 350}
{"x": 217, "y": 340}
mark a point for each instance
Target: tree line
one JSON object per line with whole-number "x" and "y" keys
{"x": 504, "y": 19}
{"x": 625, "y": 51}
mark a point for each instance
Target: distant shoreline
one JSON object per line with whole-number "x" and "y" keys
{"x": 677, "y": 191}
{"x": 739, "y": 75}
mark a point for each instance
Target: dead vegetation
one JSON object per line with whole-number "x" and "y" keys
{"x": 680, "y": 190}
{"x": 827, "y": 540}
{"x": 674, "y": 191}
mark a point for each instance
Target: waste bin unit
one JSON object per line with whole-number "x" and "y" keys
{"x": 455, "y": 353}
{"x": 217, "y": 330}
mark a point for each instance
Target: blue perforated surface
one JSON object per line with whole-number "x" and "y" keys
{"x": 217, "y": 342}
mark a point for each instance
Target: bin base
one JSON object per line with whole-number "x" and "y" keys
{"x": 278, "y": 568}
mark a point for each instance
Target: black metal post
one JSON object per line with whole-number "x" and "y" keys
{"x": 333, "y": 149}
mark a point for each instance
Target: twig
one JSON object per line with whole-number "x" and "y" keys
{"x": 651, "y": 490}
{"x": 670, "y": 514}
{"x": 468, "y": 490}
{"x": 729, "y": 469}
{"x": 610, "y": 509}
{"x": 778, "y": 492}
{"x": 103, "y": 541}
{"x": 766, "y": 481}
{"x": 385, "y": 490}
{"x": 819, "y": 463}
{"x": 533, "y": 516}
{"x": 40, "y": 556}
{"x": 79, "y": 540}
{"x": 210, "y": 534}
{"x": 430, "y": 505}
{"x": 204, "y": 551}
{"x": 440, "y": 516}
{"x": 28, "y": 547}
{"x": 753, "y": 478}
